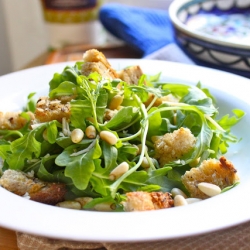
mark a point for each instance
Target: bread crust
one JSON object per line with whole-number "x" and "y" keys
{"x": 23, "y": 184}
{"x": 14, "y": 120}
{"x": 144, "y": 201}
{"x": 219, "y": 172}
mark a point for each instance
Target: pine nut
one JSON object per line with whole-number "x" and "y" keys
{"x": 193, "y": 200}
{"x": 209, "y": 189}
{"x": 69, "y": 204}
{"x": 115, "y": 102}
{"x": 83, "y": 200}
{"x": 119, "y": 171}
{"x": 90, "y": 132}
{"x": 109, "y": 137}
{"x": 179, "y": 200}
{"x": 194, "y": 163}
{"x": 105, "y": 207}
{"x": 140, "y": 148}
{"x": 137, "y": 149}
{"x": 145, "y": 163}
{"x": 45, "y": 134}
{"x": 119, "y": 107}
{"x": 77, "y": 135}
{"x": 177, "y": 191}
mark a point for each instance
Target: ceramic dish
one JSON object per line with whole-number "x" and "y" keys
{"x": 215, "y": 33}
{"x": 23, "y": 215}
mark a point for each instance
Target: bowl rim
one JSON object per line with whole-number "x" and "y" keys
{"x": 174, "y": 8}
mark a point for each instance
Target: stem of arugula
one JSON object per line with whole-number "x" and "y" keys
{"x": 144, "y": 130}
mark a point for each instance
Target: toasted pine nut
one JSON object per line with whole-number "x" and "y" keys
{"x": 83, "y": 200}
{"x": 45, "y": 136}
{"x": 109, "y": 137}
{"x": 137, "y": 149}
{"x": 194, "y": 163}
{"x": 176, "y": 191}
{"x": 70, "y": 204}
{"x": 145, "y": 163}
{"x": 179, "y": 200}
{"x": 119, "y": 171}
{"x": 140, "y": 147}
{"x": 193, "y": 200}
{"x": 209, "y": 189}
{"x": 106, "y": 207}
{"x": 90, "y": 132}
{"x": 77, "y": 135}
{"x": 119, "y": 107}
{"x": 115, "y": 102}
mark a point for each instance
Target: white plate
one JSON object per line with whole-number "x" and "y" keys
{"x": 227, "y": 209}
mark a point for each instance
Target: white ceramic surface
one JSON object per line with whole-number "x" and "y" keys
{"x": 222, "y": 211}
{"x": 179, "y": 10}
{"x": 229, "y": 51}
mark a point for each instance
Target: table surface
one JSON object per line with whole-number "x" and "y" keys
{"x": 70, "y": 53}
{"x": 7, "y": 239}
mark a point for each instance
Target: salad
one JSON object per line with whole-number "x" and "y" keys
{"x": 117, "y": 141}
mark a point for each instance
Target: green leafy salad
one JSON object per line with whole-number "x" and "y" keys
{"x": 112, "y": 123}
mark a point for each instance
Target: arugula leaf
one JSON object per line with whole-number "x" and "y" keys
{"x": 80, "y": 110}
{"x": 134, "y": 181}
{"x": 81, "y": 167}
{"x": 196, "y": 97}
{"x": 122, "y": 119}
{"x": 64, "y": 88}
{"x": 110, "y": 154}
{"x": 22, "y": 149}
{"x": 100, "y": 179}
{"x": 31, "y": 104}
{"x": 155, "y": 122}
{"x": 52, "y": 132}
{"x": 69, "y": 74}
{"x": 46, "y": 169}
{"x": 226, "y": 122}
{"x": 4, "y": 149}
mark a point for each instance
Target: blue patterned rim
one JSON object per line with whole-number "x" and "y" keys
{"x": 207, "y": 43}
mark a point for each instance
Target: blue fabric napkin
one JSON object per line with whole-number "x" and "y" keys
{"x": 147, "y": 30}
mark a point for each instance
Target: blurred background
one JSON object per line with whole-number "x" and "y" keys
{"x": 25, "y": 35}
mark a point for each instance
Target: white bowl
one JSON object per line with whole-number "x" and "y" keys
{"x": 220, "y": 212}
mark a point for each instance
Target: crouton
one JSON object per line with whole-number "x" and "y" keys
{"x": 131, "y": 75}
{"x": 173, "y": 146}
{"x": 22, "y": 184}
{"x": 48, "y": 110}
{"x": 95, "y": 61}
{"x": 13, "y": 120}
{"x": 143, "y": 201}
{"x": 219, "y": 172}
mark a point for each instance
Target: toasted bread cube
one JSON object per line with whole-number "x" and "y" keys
{"x": 219, "y": 172}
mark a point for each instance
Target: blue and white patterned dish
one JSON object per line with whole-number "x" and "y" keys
{"x": 214, "y": 33}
